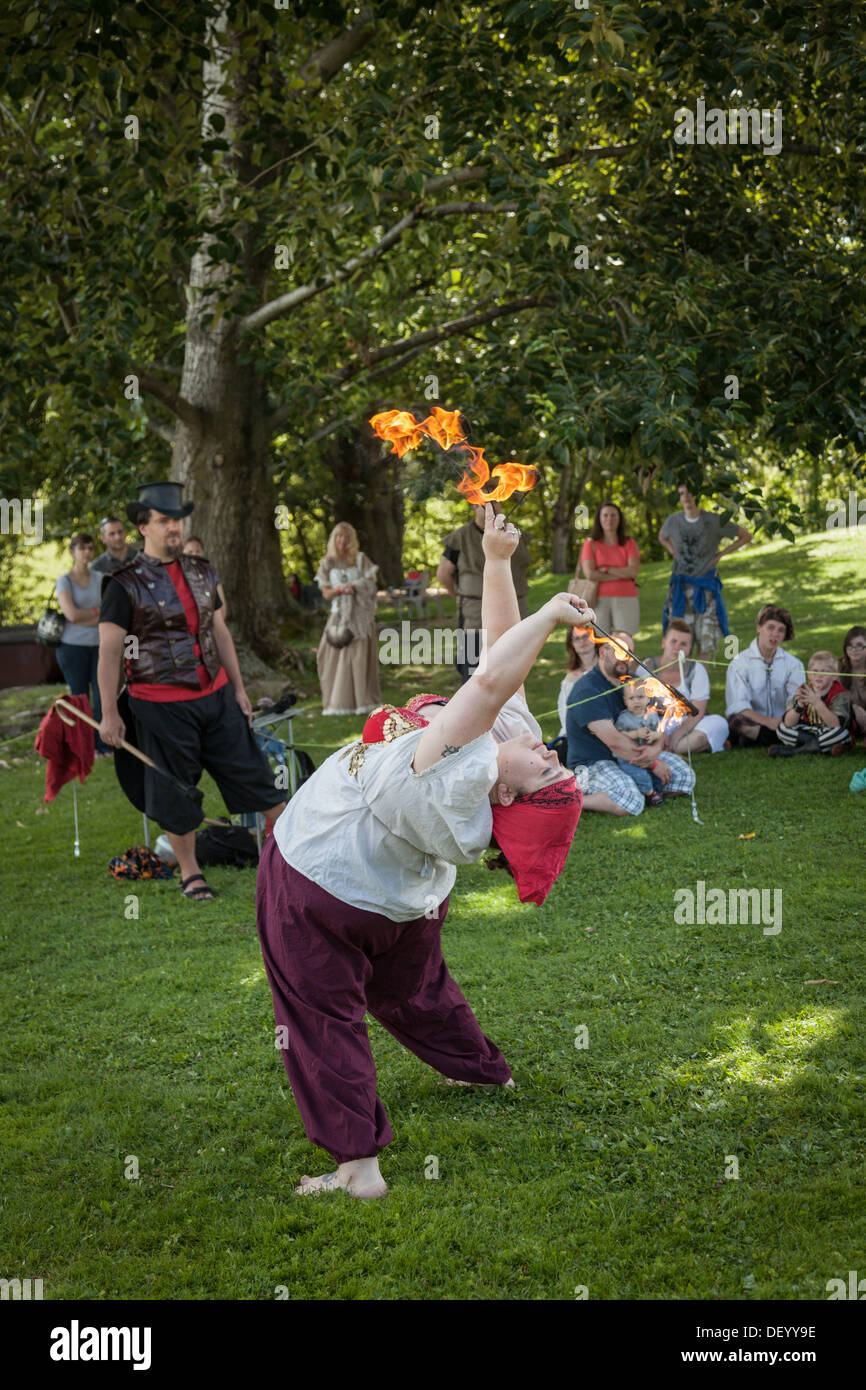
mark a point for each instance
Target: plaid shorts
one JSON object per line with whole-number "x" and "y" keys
{"x": 605, "y": 776}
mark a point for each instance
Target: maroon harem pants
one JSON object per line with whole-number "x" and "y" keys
{"x": 328, "y": 964}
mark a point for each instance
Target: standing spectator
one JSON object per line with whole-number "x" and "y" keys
{"x": 611, "y": 560}
{"x": 193, "y": 545}
{"x": 852, "y": 669}
{"x": 594, "y": 743}
{"x": 691, "y": 537}
{"x": 112, "y": 533}
{"x": 295, "y": 586}
{"x": 460, "y": 572}
{"x": 78, "y": 593}
{"x": 692, "y": 733}
{"x": 762, "y": 681}
{"x": 348, "y": 673}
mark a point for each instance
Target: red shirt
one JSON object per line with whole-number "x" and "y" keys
{"x": 148, "y": 690}
{"x": 618, "y": 557}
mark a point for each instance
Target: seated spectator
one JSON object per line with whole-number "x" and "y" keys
{"x": 762, "y": 681}
{"x": 817, "y": 717}
{"x": 594, "y": 742}
{"x": 641, "y": 725}
{"x": 691, "y": 733}
{"x": 580, "y": 656}
{"x": 194, "y": 546}
{"x": 852, "y": 672}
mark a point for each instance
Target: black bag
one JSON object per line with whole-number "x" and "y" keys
{"x": 49, "y": 629}
{"x": 226, "y": 844}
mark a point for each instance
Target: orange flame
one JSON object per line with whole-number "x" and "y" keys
{"x": 509, "y": 477}
{"x": 658, "y": 692}
{"x": 403, "y": 432}
{"x": 672, "y": 708}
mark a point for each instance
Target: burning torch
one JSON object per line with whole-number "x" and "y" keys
{"x": 403, "y": 431}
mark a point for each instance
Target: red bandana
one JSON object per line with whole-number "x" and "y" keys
{"x": 535, "y": 834}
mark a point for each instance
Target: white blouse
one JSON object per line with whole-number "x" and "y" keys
{"x": 387, "y": 839}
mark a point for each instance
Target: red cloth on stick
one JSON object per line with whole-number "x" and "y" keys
{"x": 67, "y": 748}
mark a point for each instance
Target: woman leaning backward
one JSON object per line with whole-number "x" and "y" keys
{"x": 354, "y": 883}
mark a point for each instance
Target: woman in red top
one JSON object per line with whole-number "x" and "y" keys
{"x": 611, "y": 560}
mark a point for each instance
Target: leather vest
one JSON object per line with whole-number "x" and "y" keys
{"x": 166, "y": 653}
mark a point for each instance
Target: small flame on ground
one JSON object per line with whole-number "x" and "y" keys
{"x": 403, "y": 432}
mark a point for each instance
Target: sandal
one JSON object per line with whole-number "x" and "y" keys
{"x": 199, "y": 895}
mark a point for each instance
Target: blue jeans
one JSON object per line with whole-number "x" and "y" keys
{"x": 78, "y": 665}
{"x": 644, "y": 780}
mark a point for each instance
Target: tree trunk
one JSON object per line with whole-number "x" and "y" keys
{"x": 369, "y": 486}
{"x": 571, "y": 490}
{"x": 221, "y": 445}
{"x": 563, "y": 515}
{"x": 305, "y": 549}
{"x": 223, "y": 465}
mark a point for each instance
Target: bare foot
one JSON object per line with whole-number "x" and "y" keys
{"x": 483, "y": 1085}
{"x": 360, "y": 1177}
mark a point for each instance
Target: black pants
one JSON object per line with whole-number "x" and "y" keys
{"x": 188, "y": 736}
{"x": 765, "y": 737}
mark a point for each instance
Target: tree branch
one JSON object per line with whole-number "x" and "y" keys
{"x": 574, "y": 155}
{"x": 284, "y": 302}
{"x": 444, "y": 331}
{"x": 164, "y": 431}
{"x": 397, "y": 354}
{"x": 327, "y": 61}
{"x": 171, "y": 399}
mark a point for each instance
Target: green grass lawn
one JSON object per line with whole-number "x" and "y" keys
{"x": 152, "y": 1038}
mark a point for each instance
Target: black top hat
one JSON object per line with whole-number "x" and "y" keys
{"x": 162, "y": 497}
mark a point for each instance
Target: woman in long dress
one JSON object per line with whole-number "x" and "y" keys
{"x": 348, "y": 675}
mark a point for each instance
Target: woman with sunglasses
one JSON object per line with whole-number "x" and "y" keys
{"x": 852, "y": 673}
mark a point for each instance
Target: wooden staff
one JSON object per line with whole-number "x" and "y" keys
{"x": 692, "y": 709}
{"x": 184, "y": 787}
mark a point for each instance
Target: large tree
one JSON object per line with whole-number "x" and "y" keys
{"x": 234, "y": 231}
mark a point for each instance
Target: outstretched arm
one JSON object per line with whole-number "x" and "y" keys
{"x": 473, "y": 710}
{"x": 499, "y": 607}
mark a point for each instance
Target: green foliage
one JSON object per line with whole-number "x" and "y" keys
{"x": 703, "y": 262}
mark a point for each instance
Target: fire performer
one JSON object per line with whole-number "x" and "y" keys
{"x": 354, "y": 883}
{"x": 185, "y": 694}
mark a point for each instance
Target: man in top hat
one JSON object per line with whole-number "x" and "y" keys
{"x": 186, "y": 696}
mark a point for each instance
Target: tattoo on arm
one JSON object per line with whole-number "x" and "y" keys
{"x": 450, "y": 748}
